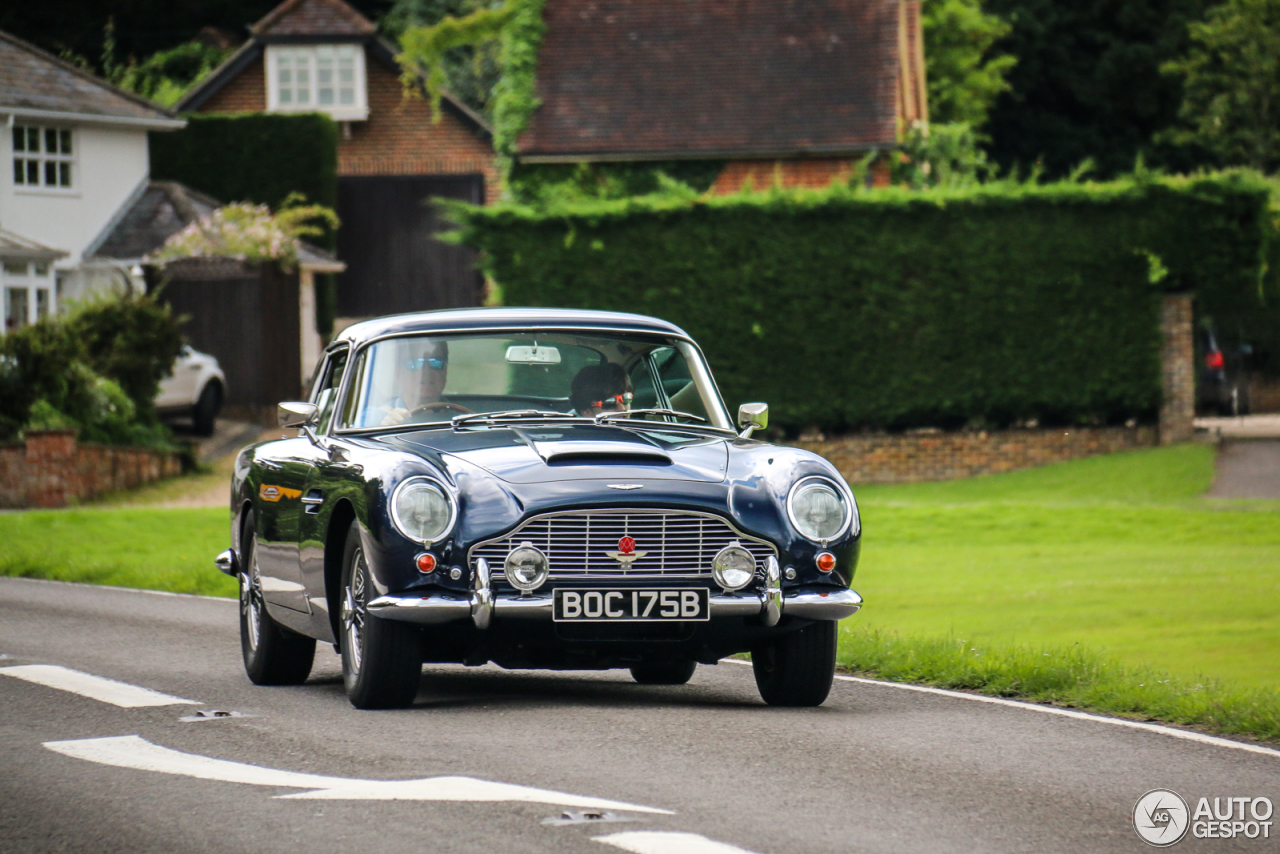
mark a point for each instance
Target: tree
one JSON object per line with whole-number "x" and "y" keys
{"x": 468, "y": 65}
{"x": 1088, "y": 83}
{"x": 963, "y": 77}
{"x": 1231, "y": 84}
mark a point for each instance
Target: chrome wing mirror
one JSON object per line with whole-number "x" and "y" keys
{"x": 295, "y": 413}
{"x": 751, "y": 417}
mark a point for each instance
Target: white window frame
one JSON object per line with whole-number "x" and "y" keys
{"x": 37, "y": 278}
{"x": 282, "y": 62}
{"x": 42, "y": 157}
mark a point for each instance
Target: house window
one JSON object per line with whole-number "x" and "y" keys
{"x": 28, "y": 293}
{"x": 322, "y": 78}
{"x": 42, "y": 157}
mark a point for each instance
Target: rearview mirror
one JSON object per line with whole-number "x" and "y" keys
{"x": 753, "y": 416}
{"x": 534, "y": 355}
{"x": 295, "y": 413}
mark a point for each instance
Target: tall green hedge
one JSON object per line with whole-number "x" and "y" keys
{"x": 253, "y": 157}
{"x": 846, "y": 308}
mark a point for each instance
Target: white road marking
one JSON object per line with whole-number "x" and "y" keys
{"x": 93, "y": 687}
{"x": 667, "y": 842}
{"x": 131, "y": 751}
{"x": 1187, "y": 735}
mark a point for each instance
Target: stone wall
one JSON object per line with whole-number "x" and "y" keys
{"x": 915, "y": 457}
{"x": 52, "y": 469}
{"x": 1177, "y": 369}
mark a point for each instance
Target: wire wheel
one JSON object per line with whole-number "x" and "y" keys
{"x": 355, "y": 610}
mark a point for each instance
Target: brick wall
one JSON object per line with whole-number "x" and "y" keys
{"x": 51, "y": 469}
{"x": 916, "y": 457}
{"x": 398, "y": 138}
{"x": 811, "y": 173}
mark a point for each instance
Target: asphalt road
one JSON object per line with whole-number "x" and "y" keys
{"x": 876, "y": 769}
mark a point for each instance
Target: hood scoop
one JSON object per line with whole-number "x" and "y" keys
{"x": 578, "y": 451}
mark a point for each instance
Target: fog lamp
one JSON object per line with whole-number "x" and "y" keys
{"x": 826, "y": 561}
{"x": 526, "y": 567}
{"x": 733, "y": 567}
{"x": 426, "y": 562}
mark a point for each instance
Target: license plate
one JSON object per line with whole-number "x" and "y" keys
{"x": 601, "y": 606}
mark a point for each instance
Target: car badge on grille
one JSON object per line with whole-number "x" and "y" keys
{"x": 626, "y": 553}
{"x": 625, "y": 485}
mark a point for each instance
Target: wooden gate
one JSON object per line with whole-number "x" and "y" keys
{"x": 248, "y": 317}
{"x": 394, "y": 263}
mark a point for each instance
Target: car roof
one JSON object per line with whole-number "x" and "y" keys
{"x": 475, "y": 319}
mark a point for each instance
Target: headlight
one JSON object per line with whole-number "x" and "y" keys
{"x": 422, "y": 511}
{"x": 819, "y": 510}
{"x": 526, "y": 567}
{"x": 733, "y": 567}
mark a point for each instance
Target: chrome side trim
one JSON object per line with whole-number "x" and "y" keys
{"x": 482, "y": 596}
{"x": 226, "y": 562}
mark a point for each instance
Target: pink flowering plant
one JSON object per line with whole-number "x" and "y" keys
{"x": 249, "y": 232}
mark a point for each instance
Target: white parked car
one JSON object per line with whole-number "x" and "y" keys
{"x": 195, "y": 387}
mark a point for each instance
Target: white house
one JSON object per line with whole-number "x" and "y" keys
{"x": 79, "y": 160}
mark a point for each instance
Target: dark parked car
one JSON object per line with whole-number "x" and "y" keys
{"x": 540, "y": 489}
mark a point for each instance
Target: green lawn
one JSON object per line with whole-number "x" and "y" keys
{"x": 152, "y": 548}
{"x": 1119, "y": 554}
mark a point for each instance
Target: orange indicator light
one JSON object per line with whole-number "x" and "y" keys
{"x": 426, "y": 562}
{"x": 826, "y": 561}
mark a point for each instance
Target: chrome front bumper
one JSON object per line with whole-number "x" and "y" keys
{"x": 483, "y": 606}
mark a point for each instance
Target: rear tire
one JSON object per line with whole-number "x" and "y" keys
{"x": 797, "y": 669}
{"x": 273, "y": 655}
{"x": 381, "y": 659}
{"x": 664, "y": 672}
{"x": 206, "y": 411}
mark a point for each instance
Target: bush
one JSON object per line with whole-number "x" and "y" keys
{"x": 96, "y": 371}
{"x": 847, "y": 308}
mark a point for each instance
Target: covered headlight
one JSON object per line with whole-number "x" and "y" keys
{"x": 526, "y": 567}
{"x": 733, "y": 567}
{"x": 819, "y": 510}
{"x": 422, "y": 510}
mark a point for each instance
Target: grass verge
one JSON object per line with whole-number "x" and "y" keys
{"x": 151, "y": 549}
{"x": 1071, "y": 676}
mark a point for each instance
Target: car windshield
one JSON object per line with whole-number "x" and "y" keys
{"x": 428, "y": 379}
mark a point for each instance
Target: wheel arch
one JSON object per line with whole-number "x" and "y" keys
{"x": 334, "y": 544}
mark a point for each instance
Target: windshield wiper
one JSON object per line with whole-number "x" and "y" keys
{"x": 606, "y": 417}
{"x": 505, "y": 415}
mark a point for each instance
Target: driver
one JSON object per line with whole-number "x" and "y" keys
{"x": 600, "y": 388}
{"x": 420, "y": 381}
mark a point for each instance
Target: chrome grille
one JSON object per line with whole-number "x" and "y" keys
{"x": 677, "y": 544}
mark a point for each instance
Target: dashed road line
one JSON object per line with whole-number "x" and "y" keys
{"x": 667, "y": 842}
{"x": 94, "y": 687}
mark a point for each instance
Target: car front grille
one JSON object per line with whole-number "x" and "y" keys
{"x": 677, "y": 544}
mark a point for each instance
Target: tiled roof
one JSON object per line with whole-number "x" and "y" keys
{"x": 16, "y": 246}
{"x": 680, "y": 78}
{"x": 313, "y": 18}
{"x": 163, "y": 209}
{"x": 31, "y": 79}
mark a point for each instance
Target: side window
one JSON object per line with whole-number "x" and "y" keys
{"x": 327, "y": 390}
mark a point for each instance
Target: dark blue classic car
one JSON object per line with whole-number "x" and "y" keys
{"x": 539, "y": 489}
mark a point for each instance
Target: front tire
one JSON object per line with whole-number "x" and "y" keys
{"x": 664, "y": 672}
{"x": 273, "y": 655}
{"x": 797, "y": 669}
{"x": 381, "y": 659}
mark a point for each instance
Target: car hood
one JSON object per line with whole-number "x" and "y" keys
{"x": 551, "y": 453}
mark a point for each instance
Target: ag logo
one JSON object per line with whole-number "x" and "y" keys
{"x": 1161, "y": 817}
{"x": 626, "y": 553}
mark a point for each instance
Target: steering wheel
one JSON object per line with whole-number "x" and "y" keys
{"x": 439, "y": 404}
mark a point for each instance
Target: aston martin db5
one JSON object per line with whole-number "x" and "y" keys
{"x": 535, "y": 488}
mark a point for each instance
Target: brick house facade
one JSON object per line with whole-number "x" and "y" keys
{"x": 792, "y": 93}
{"x": 392, "y": 155}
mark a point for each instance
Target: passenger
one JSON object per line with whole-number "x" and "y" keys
{"x": 600, "y": 388}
